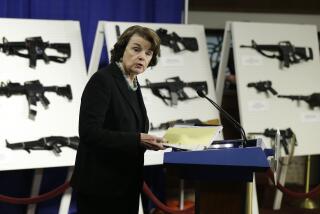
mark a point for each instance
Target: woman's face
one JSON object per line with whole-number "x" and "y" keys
{"x": 136, "y": 56}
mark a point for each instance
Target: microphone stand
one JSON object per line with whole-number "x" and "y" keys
{"x": 235, "y": 123}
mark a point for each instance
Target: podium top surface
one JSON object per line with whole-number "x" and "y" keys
{"x": 251, "y": 157}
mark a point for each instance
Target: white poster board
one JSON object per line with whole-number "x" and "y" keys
{"x": 188, "y": 66}
{"x": 259, "y": 111}
{"x": 61, "y": 117}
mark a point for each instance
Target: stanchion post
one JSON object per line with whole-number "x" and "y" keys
{"x": 181, "y": 194}
{"x": 308, "y": 203}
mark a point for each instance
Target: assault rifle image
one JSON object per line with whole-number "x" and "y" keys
{"x": 263, "y": 86}
{"x": 285, "y": 135}
{"x": 174, "y": 86}
{"x": 46, "y": 143}
{"x": 35, "y": 48}
{"x": 286, "y": 52}
{"x": 34, "y": 91}
{"x": 166, "y": 125}
{"x": 313, "y": 100}
{"x": 173, "y": 41}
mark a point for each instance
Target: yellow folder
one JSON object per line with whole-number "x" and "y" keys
{"x": 192, "y": 137}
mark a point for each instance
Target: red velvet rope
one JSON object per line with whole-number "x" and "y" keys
{"x": 310, "y": 194}
{"x": 60, "y": 189}
{"x": 53, "y": 193}
{"x": 162, "y": 206}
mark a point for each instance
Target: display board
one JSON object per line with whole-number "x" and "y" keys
{"x": 189, "y": 66}
{"x": 259, "y": 111}
{"x": 61, "y": 116}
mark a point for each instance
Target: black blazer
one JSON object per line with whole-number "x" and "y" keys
{"x": 110, "y": 157}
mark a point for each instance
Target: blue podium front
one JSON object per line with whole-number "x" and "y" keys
{"x": 219, "y": 163}
{"x": 221, "y": 175}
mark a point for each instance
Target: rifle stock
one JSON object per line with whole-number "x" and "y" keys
{"x": 173, "y": 40}
{"x": 64, "y": 48}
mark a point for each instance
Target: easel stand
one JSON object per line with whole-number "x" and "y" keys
{"x": 61, "y": 119}
{"x": 259, "y": 111}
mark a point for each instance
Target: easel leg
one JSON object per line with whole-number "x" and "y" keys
{"x": 97, "y": 49}
{"x": 223, "y": 63}
{"x": 282, "y": 181}
{"x": 140, "y": 206}
{"x": 35, "y": 188}
{"x": 66, "y": 197}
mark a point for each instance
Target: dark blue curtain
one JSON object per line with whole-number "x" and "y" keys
{"x": 88, "y": 12}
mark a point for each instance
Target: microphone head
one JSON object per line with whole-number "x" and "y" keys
{"x": 200, "y": 92}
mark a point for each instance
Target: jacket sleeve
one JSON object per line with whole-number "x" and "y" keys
{"x": 94, "y": 105}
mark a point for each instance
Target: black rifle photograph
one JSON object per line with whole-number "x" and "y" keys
{"x": 284, "y": 51}
{"x": 174, "y": 88}
{"x": 34, "y": 48}
{"x": 263, "y": 86}
{"x": 53, "y": 143}
{"x": 34, "y": 92}
{"x": 285, "y": 136}
{"x": 313, "y": 100}
{"x": 177, "y": 43}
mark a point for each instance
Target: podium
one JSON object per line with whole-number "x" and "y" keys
{"x": 220, "y": 175}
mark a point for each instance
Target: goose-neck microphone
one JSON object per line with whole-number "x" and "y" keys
{"x": 235, "y": 123}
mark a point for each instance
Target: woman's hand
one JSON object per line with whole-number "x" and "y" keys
{"x": 151, "y": 142}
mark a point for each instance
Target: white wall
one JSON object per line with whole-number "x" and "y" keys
{"x": 216, "y": 20}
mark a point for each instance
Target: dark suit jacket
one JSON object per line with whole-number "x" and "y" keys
{"x": 109, "y": 159}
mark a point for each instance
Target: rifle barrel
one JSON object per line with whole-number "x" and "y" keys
{"x": 246, "y": 46}
{"x": 294, "y": 97}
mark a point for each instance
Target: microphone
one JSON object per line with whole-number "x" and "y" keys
{"x": 227, "y": 116}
